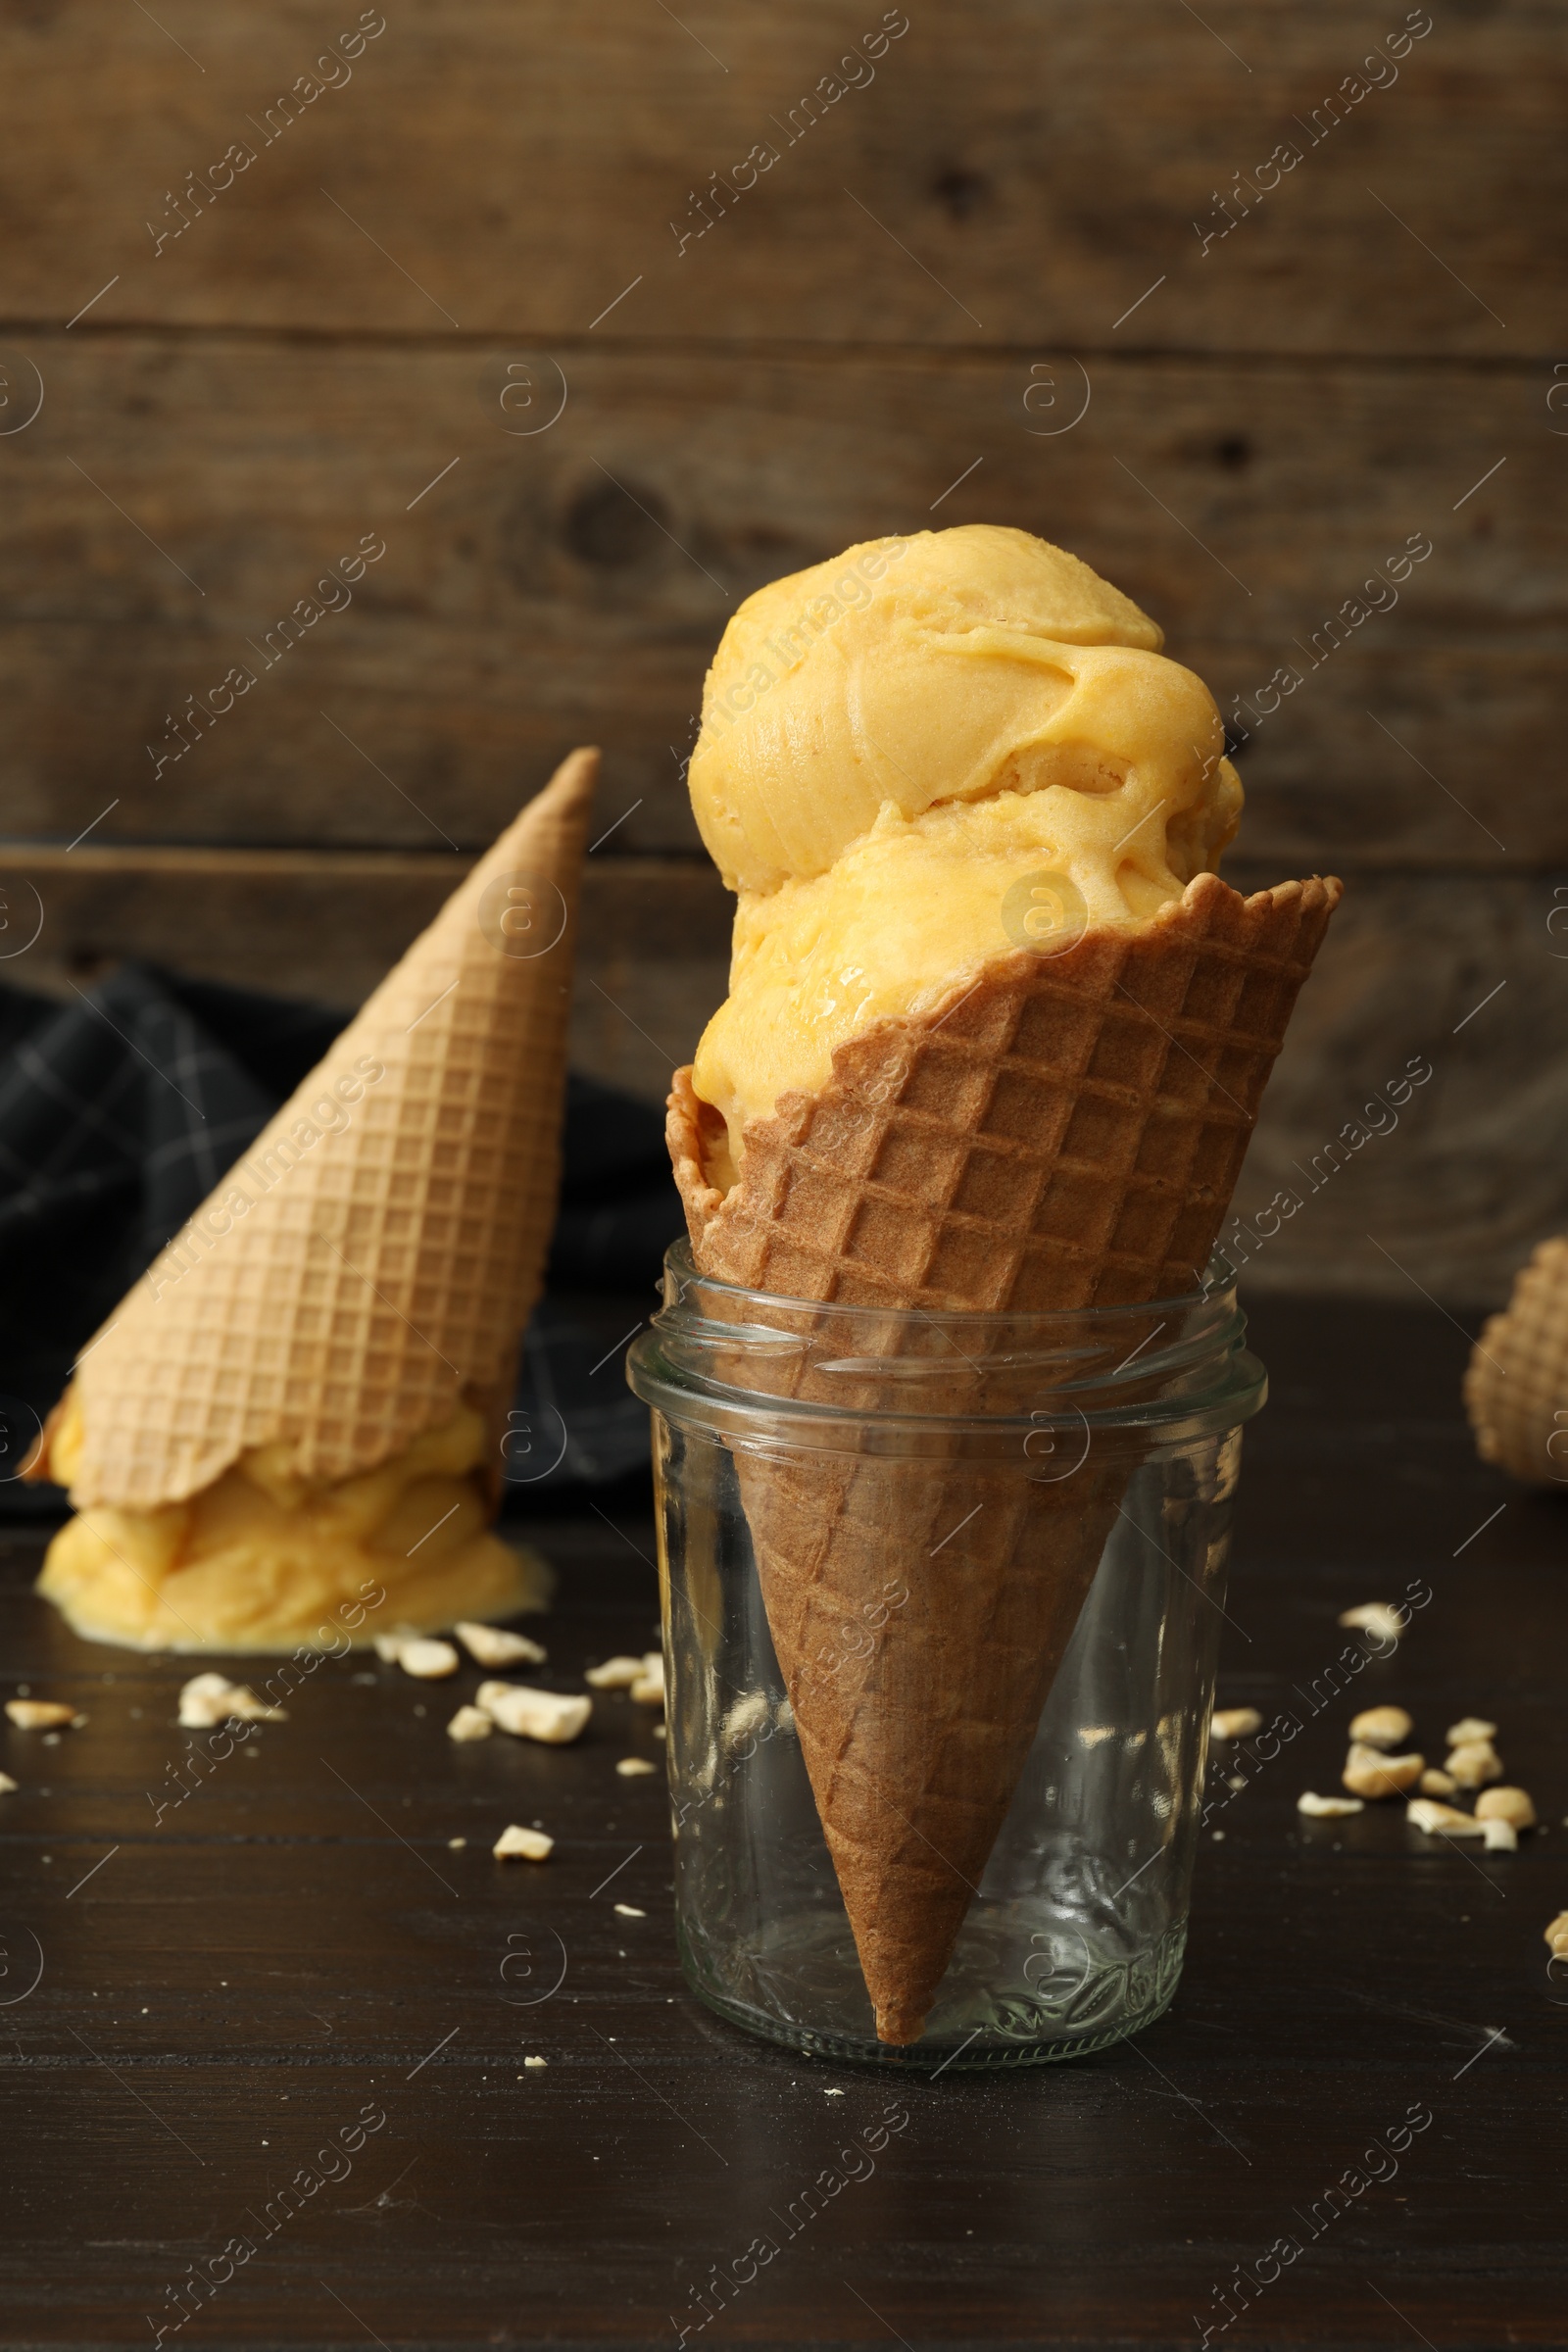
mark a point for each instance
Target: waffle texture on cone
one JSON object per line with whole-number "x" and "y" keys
{"x": 914, "y": 1743}
{"x": 1063, "y": 1132}
{"x": 365, "y": 1269}
{"x": 1516, "y": 1385}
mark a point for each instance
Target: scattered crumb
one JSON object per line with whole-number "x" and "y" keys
{"x": 495, "y": 1645}
{"x": 1557, "y": 1933}
{"x": 1502, "y": 1837}
{"x": 1438, "y": 1783}
{"x": 553, "y": 1715}
{"x": 1512, "y": 1805}
{"x": 528, "y": 1846}
{"x": 37, "y": 1714}
{"x": 454, "y": 1843}
{"x": 1473, "y": 1763}
{"x": 649, "y": 1688}
{"x": 209, "y": 1700}
{"x": 630, "y": 1911}
{"x": 1446, "y": 1821}
{"x": 632, "y": 1768}
{"x": 1327, "y": 1808}
{"x": 831, "y": 2093}
{"x": 534, "y": 2062}
{"x": 389, "y": 1647}
{"x": 1381, "y": 1726}
{"x": 1377, "y": 1618}
{"x": 353, "y": 1677}
{"x": 470, "y": 1723}
{"x": 1235, "y": 1781}
{"x": 749, "y": 1715}
{"x": 1468, "y": 1728}
{"x": 1368, "y": 1772}
{"x": 51, "y": 1740}
{"x": 1218, "y": 1837}
{"x": 1234, "y": 1723}
{"x": 660, "y": 1731}
{"x": 428, "y": 1661}
{"x": 616, "y": 1674}
{"x": 7, "y": 1783}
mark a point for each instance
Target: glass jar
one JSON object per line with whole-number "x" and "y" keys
{"x": 942, "y": 1598}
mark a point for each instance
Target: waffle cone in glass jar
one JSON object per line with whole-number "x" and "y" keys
{"x": 368, "y": 1263}
{"x": 1063, "y": 1132}
{"x": 1516, "y": 1385}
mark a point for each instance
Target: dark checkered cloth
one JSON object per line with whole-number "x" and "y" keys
{"x": 120, "y": 1109}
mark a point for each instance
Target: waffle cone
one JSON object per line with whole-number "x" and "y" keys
{"x": 369, "y": 1264}
{"x": 1516, "y": 1385}
{"x": 1061, "y": 1133}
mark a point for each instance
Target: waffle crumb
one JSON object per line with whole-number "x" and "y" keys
{"x": 497, "y": 1646}
{"x": 470, "y": 1723}
{"x": 1377, "y": 1618}
{"x": 616, "y": 1674}
{"x": 428, "y": 1661}
{"x": 1469, "y": 1728}
{"x": 1442, "y": 1821}
{"x": 633, "y": 1768}
{"x": 37, "y": 1714}
{"x": 1234, "y": 1723}
{"x": 1382, "y": 1726}
{"x": 746, "y": 1718}
{"x": 649, "y": 1688}
{"x": 1369, "y": 1773}
{"x": 553, "y": 1715}
{"x": 630, "y": 1911}
{"x": 526, "y": 1845}
{"x": 1327, "y": 1808}
{"x": 1474, "y": 1763}
{"x": 1512, "y": 1805}
{"x": 1502, "y": 1838}
{"x": 534, "y": 2062}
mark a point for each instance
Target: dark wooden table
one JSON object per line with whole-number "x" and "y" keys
{"x": 300, "y": 1950}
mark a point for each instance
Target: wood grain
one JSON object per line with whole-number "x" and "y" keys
{"x": 897, "y": 328}
{"x": 571, "y": 586}
{"x": 300, "y": 1939}
{"x": 1037, "y": 170}
{"x": 1456, "y": 1185}
{"x": 652, "y": 955}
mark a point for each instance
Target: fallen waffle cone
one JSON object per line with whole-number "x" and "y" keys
{"x": 1516, "y": 1385}
{"x": 366, "y": 1268}
{"x": 1062, "y": 1133}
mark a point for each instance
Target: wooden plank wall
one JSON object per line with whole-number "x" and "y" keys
{"x": 581, "y": 325}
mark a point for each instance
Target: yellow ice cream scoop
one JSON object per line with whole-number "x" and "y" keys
{"x": 922, "y": 755}
{"x": 264, "y": 1560}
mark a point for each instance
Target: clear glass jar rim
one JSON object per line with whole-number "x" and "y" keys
{"x": 1219, "y": 1283}
{"x": 718, "y": 1348}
